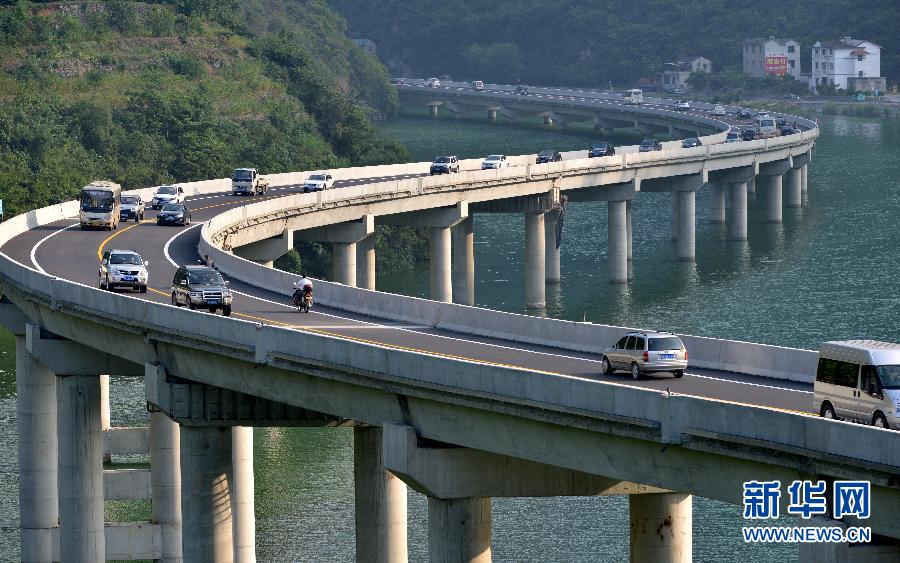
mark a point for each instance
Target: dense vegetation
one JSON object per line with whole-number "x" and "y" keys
{"x": 574, "y": 42}
{"x": 146, "y": 93}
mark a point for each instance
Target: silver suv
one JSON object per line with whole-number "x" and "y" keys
{"x": 123, "y": 268}
{"x": 646, "y": 352}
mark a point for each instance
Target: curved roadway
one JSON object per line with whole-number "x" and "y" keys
{"x": 63, "y": 250}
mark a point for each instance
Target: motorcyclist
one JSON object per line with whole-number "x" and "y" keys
{"x": 305, "y": 283}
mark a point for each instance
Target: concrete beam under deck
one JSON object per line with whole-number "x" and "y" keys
{"x": 68, "y": 357}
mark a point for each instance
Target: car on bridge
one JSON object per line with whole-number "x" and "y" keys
{"x": 201, "y": 287}
{"x": 174, "y": 214}
{"x": 601, "y": 148}
{"x": 398, "y": 82}
{"x": 859, "y": 381}
{"x": 433, "y": 83}
{"x": 477, "y": 85}
{"x": 691, "y": 142}
{"x": 643, "y": 352}
{"x": 167, "y": 194}
{"x": 544, "y": 157}
{"x": 682, "y": 105}
{"x": 132, "y": 208}
{"x": 718, "y": 110}
{"x": 521, "y": 90}
{"x": 788, "y": 129}
{"x": 318, "y": 182}
{"x": 649, "y": 145}
{"x": 444, "y": 165}
{"x": 749, "y": 134}
{"x": 744, "y": 113}
{"x": 494, "y": 161}
{"x": 123, "y": 268}
{"x": 733, "y": 136}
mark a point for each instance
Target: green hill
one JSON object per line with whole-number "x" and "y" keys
{"x": 145, "y": 93}
{"x": 573, "y": 42}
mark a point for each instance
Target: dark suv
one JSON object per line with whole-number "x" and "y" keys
{"x": 521, "y": 90}
{"x": 444, "y": 165}
{"x": 201, "y": 287}
{"x": 548, "y": 156}
{"x": 748, "y": 135}
{"x": 648, "y": 145}
{"x": 601, "y": 149}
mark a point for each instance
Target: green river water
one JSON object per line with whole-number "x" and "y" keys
{"x": 828, "y": 272}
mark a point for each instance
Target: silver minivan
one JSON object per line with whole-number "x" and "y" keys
{"x": 642, "y": 352}
{"x": 859, "y": 380}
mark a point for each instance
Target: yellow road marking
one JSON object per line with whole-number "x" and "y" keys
{"x": 110, "y": 237}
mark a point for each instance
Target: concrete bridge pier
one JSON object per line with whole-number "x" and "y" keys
{"x": 804, "y": 183}
{"x": 551, "y": 254}
{"x": 433, "y": 109}
{"x": 535, "y": 261}
{"x": 206, "y": 473}
{"x": 242, "y": 495}
{"x": 380, "y": 501}
{"x": 774, "y": 200}
{"x": 492, "y": 114}
{"x": 548, "y": 121}
{"x": 344, "y": 263}
{"x": 794, "y": 188}
{"x": 459, "y": 530}
{"x": 343, "y": 237}
{"x": 661, "y": 528}
{"x": 463, "y": 263}
{"x": 716, "y": 203}
{"x": 36, "y": 425}
{"x": 165, "y": 484}
{"x": 81, "y": 527}
{"x": 440, "y": 221}
{"x": 674, "y": 223}
{"x": 628, "y": 228}
{"x": 687, "y": 228}
{"x": 365, "y": 260}
{"x": 738, "y": 229}
{"x": 751, "y": 187}
{"x": 617, "y": 231}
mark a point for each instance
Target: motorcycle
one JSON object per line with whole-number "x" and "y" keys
{"x": 302, "y": 298}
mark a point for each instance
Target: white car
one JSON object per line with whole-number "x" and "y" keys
{"x": 718, "y": 110}
{"x": 318, "y": 181}
{"x": 682, "y": 105}
{"x": 167, "y": 194}
{"x": 477, "y": 85}
{"x": 123, "y": 268}
{"x": 494, "y": 161}
{"x": 433, "y": 82}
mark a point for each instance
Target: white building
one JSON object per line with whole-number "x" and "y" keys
{"x": 771, "y": 57}
{"x": 848, "y": 64}
{"x": 675, "y": 77}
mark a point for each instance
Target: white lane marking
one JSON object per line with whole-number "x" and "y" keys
{"x": 169, "y": 243}
{"x": 748, "y": 383}
{"x": 34, "y": 248}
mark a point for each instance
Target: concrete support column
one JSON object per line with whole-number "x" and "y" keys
{"x": 36, "y": 428}
{"x": 380, "y": 501}
{"x": 738, "y": 229}
{"x": 661, "y": 528}
{"x": 687, "y": 228}
{"x": 535, "y": 264}
{"x": 628, "y": 227}
{"x": 441, "y": 274}
{"x": 242, "y": 495}
{"x": 551, "y": 254}
{"x": 205, "y": 494}
{"x": 434, "y": 111}
{"x": 804, "y": 181}
{"x": 459, "y": 530}
{"x": 81, "y": 530}
{"x": 344, "y": 263}
{"x": 794, "y": 188}
{"x": 464, "y": 262}
{"x": 674, "y": 215}
{"x": 773, "y": 200}
{"x": 366, "y": 257}
{"x": 751, "y": 186}
{"x": 716, "y": 203}
{"x": 617, "y": 241}
{"x": 165, "y": 484}
{"x": 548, "y": 120}
{"x": 105, "y": 423}
{"x": 492, "y": 114}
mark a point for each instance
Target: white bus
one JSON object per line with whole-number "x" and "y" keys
{"x": 634, "y": 96}
{"x": 101, "y": 204}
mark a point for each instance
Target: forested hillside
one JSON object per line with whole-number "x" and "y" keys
{"x": 574, "y": 42}
{"x": 150, "y": 92}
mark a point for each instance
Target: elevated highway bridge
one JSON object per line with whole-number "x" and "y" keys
{"x": 461, "y": 403}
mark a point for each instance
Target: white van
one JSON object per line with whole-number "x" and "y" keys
{"x": 766, "y": 126}
{"x": 634, "y": 96}
{"x": 859, "y": 380}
